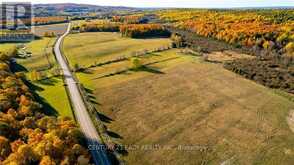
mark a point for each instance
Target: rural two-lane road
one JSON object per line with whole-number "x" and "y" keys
{"x": 98, "y": 153}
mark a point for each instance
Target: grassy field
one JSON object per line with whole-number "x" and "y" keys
{"x": 42, "y": 55}
{"x": 5, "y": 48}
{"x": 53, "y": 95}
{"x": 182, "y": 110}
{"x": 56, "y": 28}
{"x": 89, "y": 48}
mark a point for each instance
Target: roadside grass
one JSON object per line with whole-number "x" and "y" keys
{"x": 87, "y": 49}
{"x": 58, "y": 29}
{"x": 194, "y": 113}
{"x": 53, "y": 91}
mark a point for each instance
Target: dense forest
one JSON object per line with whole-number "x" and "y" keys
{"x": 259, "y": 29}
{"x": 97, "y": 26}
{"x": 144, "y": 30}
{"x": 127, "y": 30}
{"x": 130, "y": 19}
{"x": 27, "y": 135}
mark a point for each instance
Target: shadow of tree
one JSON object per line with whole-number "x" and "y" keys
{"x": 113, "y": 74}
{"x": 89, "y": 90}
{"x": 165, "y": 60}
{"x": 149, "y": 69}
{"x": 104, "y": 118}
{"x": 15, "y": 67}
{"x": 86, "y": 71}
{"x": 114, "y": 135}
{"x": 33, "y": 87}
{"x": 122, "y": 150}
{"x": 48, "y": 81}
{"x": 46, "y": 107}
{"x": 93, "y": 101}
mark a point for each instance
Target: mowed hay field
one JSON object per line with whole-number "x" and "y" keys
{"x": 58, "y": 29}
{"x": 194, "y": 112}
{"x": 42, "y": 54}
{"x": 53, "y": 95}
{"x": 87, "y": 49}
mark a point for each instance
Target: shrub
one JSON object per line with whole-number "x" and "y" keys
{"x": 49, "y": 34}
{"x": 178, "y": 40}
{"x": 136, "y": 63}
{"x": 274, "y": 72}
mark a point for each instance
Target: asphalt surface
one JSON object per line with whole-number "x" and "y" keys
{"x": 98, "y": 152}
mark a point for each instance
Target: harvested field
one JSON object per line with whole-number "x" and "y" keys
{"x": 191, "y": 112}
{"x": 225, "y": 56}
{"x": 58, "y": 29}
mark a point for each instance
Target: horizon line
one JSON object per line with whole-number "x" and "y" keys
{"x": 231, "y": 7}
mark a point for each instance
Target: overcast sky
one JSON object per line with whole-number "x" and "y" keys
{"x": 172, "y": 3}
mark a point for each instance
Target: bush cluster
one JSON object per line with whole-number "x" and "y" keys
{"x": 273, "y": 72}
{"x": 264, "y": 29}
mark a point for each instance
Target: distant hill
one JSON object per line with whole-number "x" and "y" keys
{"x": 72, "y": 8}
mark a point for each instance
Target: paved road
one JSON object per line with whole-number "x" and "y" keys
{"x": 81, "y": 113}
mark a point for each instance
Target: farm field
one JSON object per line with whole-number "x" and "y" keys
{"x": 86, "y": 49}
{"x": 58, "y": 29}
{"x": 6, "y": 48}
{"x": 181, "y": 101}
{"x": 53, "y": 93}
{"x": 42, "y": 55}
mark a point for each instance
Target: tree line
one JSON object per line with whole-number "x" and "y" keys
{"x": 99, "y": 26}
{"x": 126, "y": 30}
{"x": 144, "y": 30}
{"x": 130, "y": 19}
